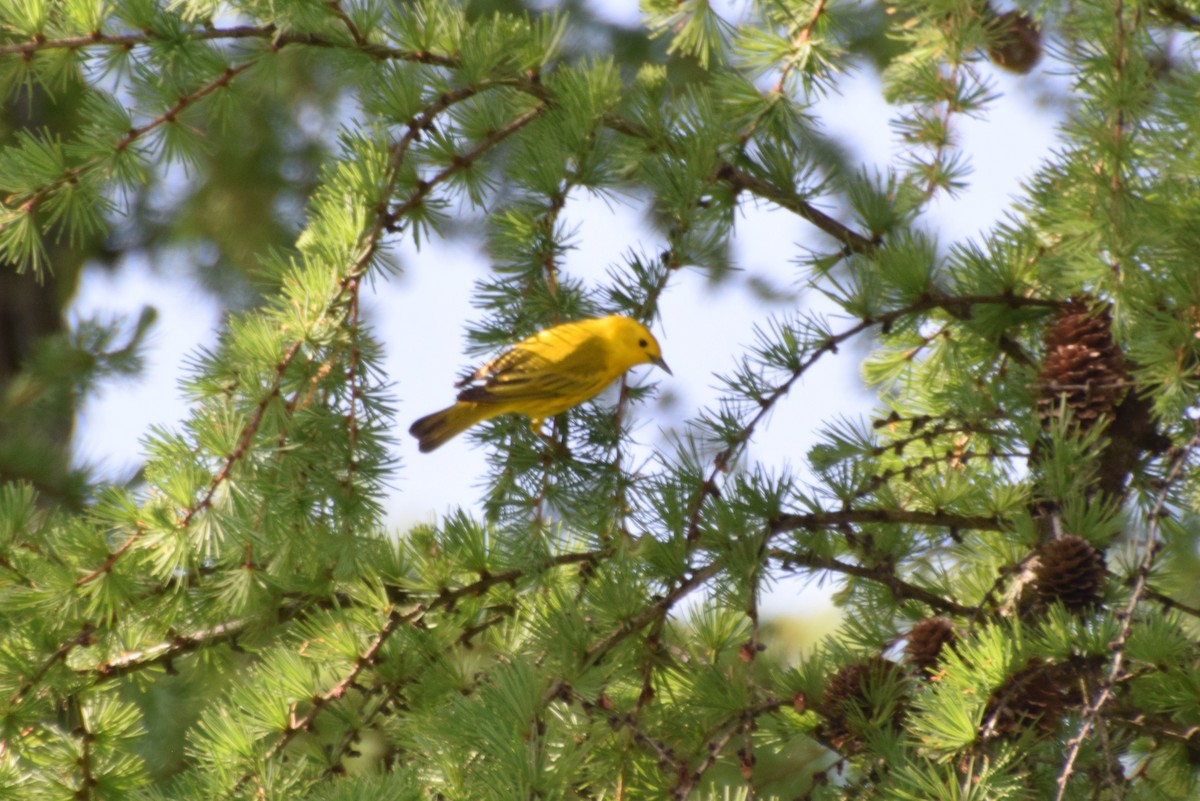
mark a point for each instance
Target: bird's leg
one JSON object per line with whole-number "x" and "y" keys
{"x": 556, "y": 447}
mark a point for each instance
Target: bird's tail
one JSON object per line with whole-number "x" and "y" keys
{"x": 434, "y": 430}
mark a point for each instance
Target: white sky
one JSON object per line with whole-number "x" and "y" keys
{"x": 418, "y": 314}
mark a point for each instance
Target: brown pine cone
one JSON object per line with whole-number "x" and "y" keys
{"x": 1036, "y": 695}
{"x": 1016, "y": 43}
{"x": 925, "y": 641}
{"x": 1083, "y": 366}
{"x": 1070, "y": 570}
{"x": 846, "y": 692}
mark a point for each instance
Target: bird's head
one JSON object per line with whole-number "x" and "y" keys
{"x": 635, "y": 344}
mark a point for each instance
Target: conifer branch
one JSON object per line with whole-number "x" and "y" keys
{"x": 951, "y": 83}
{"x": 336, "y": 7}
{"x": 504, "y": 612}
{"x": 603, "y": 706}
{"x": 88, "y": 780}
{"x": 356, "y": 392}
{"x": 1116, "y": 126}
{"x": 884, "y": 574}
{"x": 558, "y": 201}
{"x": 248, "y": 433}
{"x": 647, "y": 312}
{"x": 348, "y": 285}
{"x": 654, "y": 645}
{"x": 1167, "y": 601}
{"x": 748, "y": 652}
{"x": 29, "y": 202}
{"x": 1155, "y": 726}
{"x": 958, "y": 305}
{"x": 716, "y": 745}
{"x": 668, "y": 757}
{"x": 366, "y": 659}
{"x": 621, "y": 503}
{"x": 445, "y": 599}
{"x": 461, "y": 163}
{"x": 1176, "y": 13}
{"x": 379, "y": 704}
{"x": 547, "y": 222}
{"x": 270, "y": 33}
{"x": 833, "y": 520}
{"x": 242, "y": 466}
{"x": 651, "y": 614}
{"x": 162, "y": 653}
{"x": 990, "y": 602}
{"x": 222, "y": 475}
{"x": 799, "y": 42}
{"x": 852, "y": 241}
{"x": 1152, "y": 546}
{"x": 953, "y": 459}
{"x": 926, "y": 430}
{"x": 112, "y": 558}
{"x": 84, "y": 638}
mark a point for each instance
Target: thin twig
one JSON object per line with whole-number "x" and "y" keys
{"x": 1168, "y": 602}
{"x": 827, "y": 520}
{"x": 958, "y": 305}
{"x": 799, "y": 41}
{"x": 27, "y": 203}
{"x": 270, "y": 33}
{"x": 716, "y": 746}
{"x": 446, "y": 599}
{"x": 461, "y": 163}
{"x": 884, "y": 574}
{"x": 1091, "y": 710}
{"x": 84, "y": 637}
{"x": 790, "y": 200}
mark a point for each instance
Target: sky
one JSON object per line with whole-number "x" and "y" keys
{"x": 424, "y": 338}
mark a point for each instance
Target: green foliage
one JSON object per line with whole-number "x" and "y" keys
{"x": 239, "y": 624}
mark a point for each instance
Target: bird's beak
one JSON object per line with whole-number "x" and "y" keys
{"x": 658, "y": 360}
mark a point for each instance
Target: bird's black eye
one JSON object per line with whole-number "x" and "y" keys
{"x": 642, "y": 343}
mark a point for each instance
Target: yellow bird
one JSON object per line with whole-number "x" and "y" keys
{"x": 544, "y": 375}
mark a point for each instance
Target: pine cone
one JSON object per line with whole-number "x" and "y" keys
{"x": 1036, "y": 695}
{"x": 1083, "y": 365}
{"x": 846, "y": 692}
{"x": 1070, "y": 570}
{"x": 1016, "y": 43}
{"x": 925, "y": 641}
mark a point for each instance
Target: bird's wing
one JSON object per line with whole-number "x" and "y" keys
{"x": 527, "y": 373}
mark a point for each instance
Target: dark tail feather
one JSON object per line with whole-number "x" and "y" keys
{"x": 434, "y": 430}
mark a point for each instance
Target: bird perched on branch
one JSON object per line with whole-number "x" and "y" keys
{"x": 544, "y": 375}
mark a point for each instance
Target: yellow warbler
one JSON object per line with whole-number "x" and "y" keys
{"x": 544, "y": 375}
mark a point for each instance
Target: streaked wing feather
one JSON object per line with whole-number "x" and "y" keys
{"x": 528, "y": 388}
{"x": 524, "y": 374}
